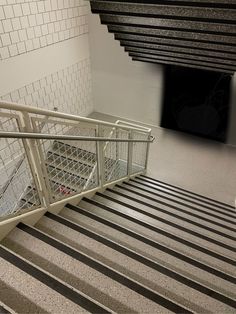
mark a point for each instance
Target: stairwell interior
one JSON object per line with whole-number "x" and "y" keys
{"x": 142, "y": 221}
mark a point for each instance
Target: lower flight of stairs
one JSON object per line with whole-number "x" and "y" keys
{"x": 142, "y": 247}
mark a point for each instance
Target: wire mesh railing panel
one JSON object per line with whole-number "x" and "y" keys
{"x": 70, "y": 166}
{"x": 115, "y": 155}
{"x": 139, "y": 152}
{"x": 17, "y": 188}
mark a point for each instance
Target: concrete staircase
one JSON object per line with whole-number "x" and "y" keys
{"x": 142, "y": 247}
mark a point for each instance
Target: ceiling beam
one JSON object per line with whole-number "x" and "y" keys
{"x": 173, "y": 34}
{"x": 229, "y": 52}
{"x": 184, "y": 51}
{"x": 182, "y": 64}
{"x": 190, "y": 62}
{"x": 221, "y": 29}
{"x": 167, "y": 11}
{"x": 220, "y": 62}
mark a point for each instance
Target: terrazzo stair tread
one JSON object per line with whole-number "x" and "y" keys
{"x": 157, "y": 223}
{"x": 174, "y": 217}
{"x": 58, "y": 258}
{"x": 58, "y": 264}
{"x": 188, "y": 200}
{"x": 177, "y": 264}
{"x": 132, "y": 255}
{"x": 30, "y": 294}
{"x": 178, "y": 211}
{"x": 192, "y": 194}
{"x": 186, "y": 248}
{"x": 154, "y": 279}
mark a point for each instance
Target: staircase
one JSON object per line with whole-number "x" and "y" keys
{"x": 143, "y": 246}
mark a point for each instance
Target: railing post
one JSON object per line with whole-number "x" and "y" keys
{"x": 100, "y": 157}
{"x": 34, "y": 159}
{"x": 130, "y": 153}
{"x": 147, "y": 152}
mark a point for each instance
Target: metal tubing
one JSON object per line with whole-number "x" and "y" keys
{"x": 27, "y": 135}
{"x": 50, "y": 113}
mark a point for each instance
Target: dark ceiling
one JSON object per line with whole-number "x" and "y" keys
{"x": 197, "y": 33}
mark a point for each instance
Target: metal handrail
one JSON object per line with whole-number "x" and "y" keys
{"x": 41, "y": 136}
{"x": 103, "y": 158}
{"x": 55, "y": 114}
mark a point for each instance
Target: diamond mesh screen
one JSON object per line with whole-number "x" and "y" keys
{"x": 69, "y": 165}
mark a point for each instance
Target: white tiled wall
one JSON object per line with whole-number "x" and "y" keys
{"x": 68, "y": 90}
{"x": 26, "y": 25}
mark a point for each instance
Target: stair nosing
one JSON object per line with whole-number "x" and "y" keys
{"x": 154, "y": 243}
{"x": 190, "y": 192}
{"x": 101, "y": 267}
{"x": 51, "y": 281}
{"x": 138, "y": 257}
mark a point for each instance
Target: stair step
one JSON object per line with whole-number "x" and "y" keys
{"x": 191, "y": 194}
{"x": 176, "y": 209}
{"x": 181, "y": 262}
{"x": 87, "y": 274}
{"x": 175, "y": 221}
{"x": 145, "y": 270}
{"x": 29, "y": 289}
{"x": 187, "y": 201}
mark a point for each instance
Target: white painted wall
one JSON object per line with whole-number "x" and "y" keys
{"x": 122, "y": 87}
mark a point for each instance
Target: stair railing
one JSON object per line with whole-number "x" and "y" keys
{"x": 66, "y": 156}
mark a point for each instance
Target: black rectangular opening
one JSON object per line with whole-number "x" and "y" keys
{"x": 197, "y": 102}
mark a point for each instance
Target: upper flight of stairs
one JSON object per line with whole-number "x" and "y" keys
{"x": 142, "y": 247}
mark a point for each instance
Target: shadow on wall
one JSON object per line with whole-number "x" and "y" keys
{"x": 232, "y": 122}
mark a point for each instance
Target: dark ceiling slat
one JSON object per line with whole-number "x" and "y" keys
{"x": 166, "y": 58}
{"x": 171, "y": 34}
{"x": 192, "y": 33}
{"x": 171, "y": 24}
{"x": 159, "y": 62}
{"x": 201, "y": 3}
{"x": 190, "y": 57}
{"x": 228, "y": 51}
{"x": 164, "y": 11}
{"x": 184, "y": 51}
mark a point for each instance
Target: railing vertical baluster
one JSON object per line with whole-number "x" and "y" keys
{"x": 147, "y": 152}
{"x": 130, "y": 154}
{"x": 34, "y": 160}
{"x": 100, "y": 157}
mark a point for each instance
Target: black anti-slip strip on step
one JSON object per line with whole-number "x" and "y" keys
{"x": 51, "y": 282}
{"x": 144, "y": 260}
{"x": 3, "y": 310}
{"x": 165, "y": 190}
{"x": 142, "y": 188}
{"x": 105, "y": 270}
{"x": 153, "y": 243}
{"x": 167, "y": 222}
{"x": 184, "y": 190}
